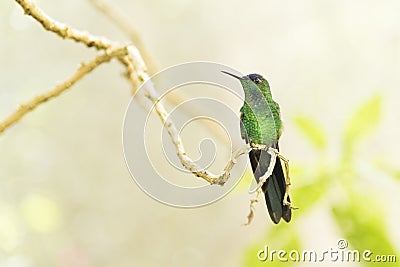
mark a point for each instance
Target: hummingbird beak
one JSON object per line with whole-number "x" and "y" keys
{"x": 233, "y": 75}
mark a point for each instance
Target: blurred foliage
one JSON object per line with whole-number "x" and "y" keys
{"x": 311, "y": 131}
{"x": 363, "y": 121}
{"x": 282, "y": 237}
{"x": 362, "y": 222}
{"x": 358, "y": 215}
{"x": 388, "y": 168}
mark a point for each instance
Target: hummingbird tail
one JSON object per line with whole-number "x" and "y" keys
{"x": 274, "y": 187}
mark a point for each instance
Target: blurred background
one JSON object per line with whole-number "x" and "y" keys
{"x": 67, "y": 198}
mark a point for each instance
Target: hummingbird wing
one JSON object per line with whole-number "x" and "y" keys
{"x": 274, "y": 187}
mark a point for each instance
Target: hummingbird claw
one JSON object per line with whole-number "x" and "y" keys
{"x": 287, "y": 203}
{"x": 258, "y": 147}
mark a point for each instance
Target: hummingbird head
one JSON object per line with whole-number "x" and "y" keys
{"x": 257, "y": 79}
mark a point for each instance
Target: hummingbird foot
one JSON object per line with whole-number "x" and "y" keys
{"x": 258, "y": 146}
{"x": 286, "y": 202}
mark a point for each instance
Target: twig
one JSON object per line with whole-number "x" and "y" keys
{"x": 122, "y": 21}
{"x": 250, "y": 216}
{"x": 59, "y": 89}
{"x": 63, "y": 30}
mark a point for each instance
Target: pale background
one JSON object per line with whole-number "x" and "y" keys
{"x": 66, "y": 197}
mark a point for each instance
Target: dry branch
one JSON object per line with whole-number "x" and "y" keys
{"x": 122, "y": 21}
{"x": 84, "y": 69}
{"x": 63, "y": 30}
{"x": 137, "y": 72}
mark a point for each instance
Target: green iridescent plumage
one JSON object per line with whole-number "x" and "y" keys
{"x": 261, "y": 125}
{"x": 260, "y": 113}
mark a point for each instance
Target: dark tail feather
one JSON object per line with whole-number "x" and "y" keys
{"x": 280, "y": 177}
{"x": 275, "y": 186}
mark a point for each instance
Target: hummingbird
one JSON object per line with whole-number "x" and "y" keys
{"x": 261, "y": 126}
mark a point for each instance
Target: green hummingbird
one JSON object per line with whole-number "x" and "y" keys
{"x": 261, "y": 126}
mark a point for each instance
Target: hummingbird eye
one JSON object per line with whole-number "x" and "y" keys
{"x": 257, "y": 80}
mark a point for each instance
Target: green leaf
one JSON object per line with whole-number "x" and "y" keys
{"x": 361, "y": 221}
{"x": 364, "y": 120}
{"x": 311, "y": 130}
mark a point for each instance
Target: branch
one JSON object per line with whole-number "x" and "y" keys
{"x": 120, "y": 19}
{"x": 137, "y": 74}
{"x": 186, "y": 161}
{"x": 67, "y": 32}
{"x": 59, "y": 89}
{"x": 63, "y": 30}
